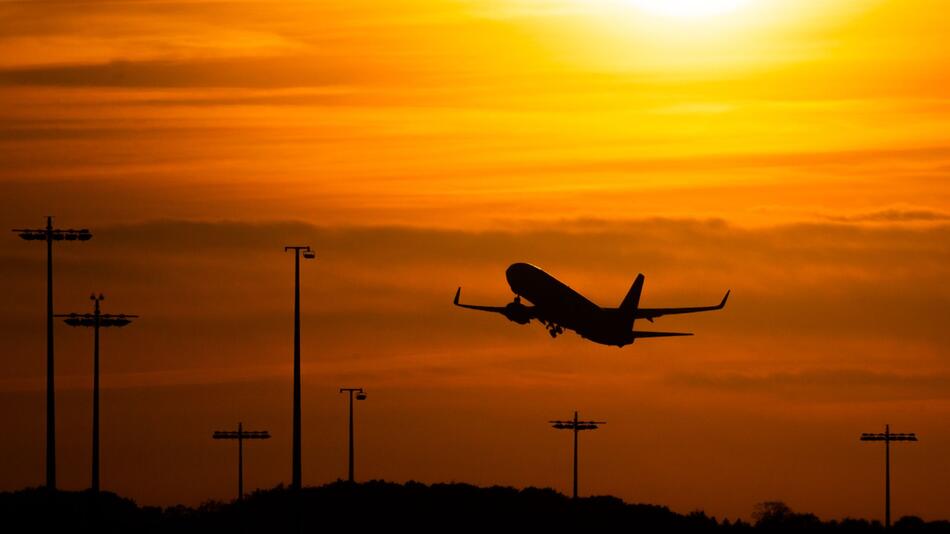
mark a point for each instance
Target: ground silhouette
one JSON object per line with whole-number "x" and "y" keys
{"x": 413, "y": 507}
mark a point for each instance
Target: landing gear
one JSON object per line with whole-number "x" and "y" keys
{"x": 554, "y": 330}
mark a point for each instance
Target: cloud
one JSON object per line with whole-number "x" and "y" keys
{"x": 837, "y": 159}
{"x": 893, "y": 215}
{"x": 808, "y": 295}
{"x": 256, "y": 72}
{"x": 855, "y": 384}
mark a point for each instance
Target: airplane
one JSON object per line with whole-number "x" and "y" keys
{"x": 558, "y": 307}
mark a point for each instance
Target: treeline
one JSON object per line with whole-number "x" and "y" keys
{"x": 413, "y": 507}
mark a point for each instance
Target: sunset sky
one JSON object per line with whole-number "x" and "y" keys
{"x": 794, "y": 151}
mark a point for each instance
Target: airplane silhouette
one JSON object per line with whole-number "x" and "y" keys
{"x": 558, "y": 307}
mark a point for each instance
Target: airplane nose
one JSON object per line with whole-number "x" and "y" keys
{"x": 515, "y": 273}
{"x": 513, "y": 270}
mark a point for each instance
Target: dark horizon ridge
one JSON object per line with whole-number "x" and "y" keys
{"x": 421, "y": 507}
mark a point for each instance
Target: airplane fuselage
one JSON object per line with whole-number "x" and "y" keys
{"x": 558, "y": 305}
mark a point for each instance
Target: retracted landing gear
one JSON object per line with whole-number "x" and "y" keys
{"x": 554, "y": 330}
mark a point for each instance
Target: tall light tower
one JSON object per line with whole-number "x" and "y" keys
{"x": 308, "y": 254}
{"x": 887, "y": 438}
{"x": 360, "y": 395}
{"x": 576, "y": 426}
{"x": 50, "y": 234}
{"x": 240, "y": 435}
{"x": 96, "y": 320}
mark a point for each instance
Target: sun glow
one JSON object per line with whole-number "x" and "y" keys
{"x": 689, "y": 8}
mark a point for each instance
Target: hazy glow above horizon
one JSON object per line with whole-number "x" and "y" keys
{"x": 689, "y": 8}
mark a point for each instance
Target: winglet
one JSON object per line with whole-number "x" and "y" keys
{"x": 724, "y": 299}
{"x": 459, "y": 292}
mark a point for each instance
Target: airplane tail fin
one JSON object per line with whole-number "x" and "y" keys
{"x": 632, "y": 301}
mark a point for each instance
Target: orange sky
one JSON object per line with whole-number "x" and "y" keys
{"x": 795, "y": 152}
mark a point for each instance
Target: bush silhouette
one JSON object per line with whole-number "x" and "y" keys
{"x": 415, "y": 507}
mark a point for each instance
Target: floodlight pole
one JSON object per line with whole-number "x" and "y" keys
{"x": 240, "y": 435}
{"x": 240, "y": 461}
{"x": 95, "y": 398}
{"x": 50, "y": 234}
{"x": 887, "y": 476}
{"x": 575, "y": 456}
{"x": 576, "y": 426}
{"x": 361, "y": 395}
{"x": 50, "y": 387}
{"x": 887, "y": 437}
{"x": 296, "y": 475}
{"x": 96, "y": 320}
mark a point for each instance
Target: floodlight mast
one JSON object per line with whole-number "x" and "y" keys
{"x": 887, "y": 437}
{"x": 360, "y": 395}
{"x": 576, "y": 426}
{"x": 96, "y": 320}
{"x": 50, "y": 234}
{"x": 240, "y": 435}
{"x": 309, "y": 254}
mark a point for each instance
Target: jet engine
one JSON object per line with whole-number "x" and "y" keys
{"x": 517, "y": 312}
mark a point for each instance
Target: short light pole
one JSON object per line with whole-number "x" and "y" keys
{"x": 576, "y": 426}
{"x": 96, "y": 320}
{"x": 360, "y": 395}
{"x": 50, "y": 234}
{"x": 887, "y": 437}
{"x": 240, "y": 435}
{"x": 309, "y": 255}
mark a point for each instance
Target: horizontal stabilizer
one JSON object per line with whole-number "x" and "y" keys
{"x": 660, "y": 334}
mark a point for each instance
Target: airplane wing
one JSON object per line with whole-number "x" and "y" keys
{"x": 514, "y": 311}
{"x": 496, "y": 309}
{"x": 652, "y": 313}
